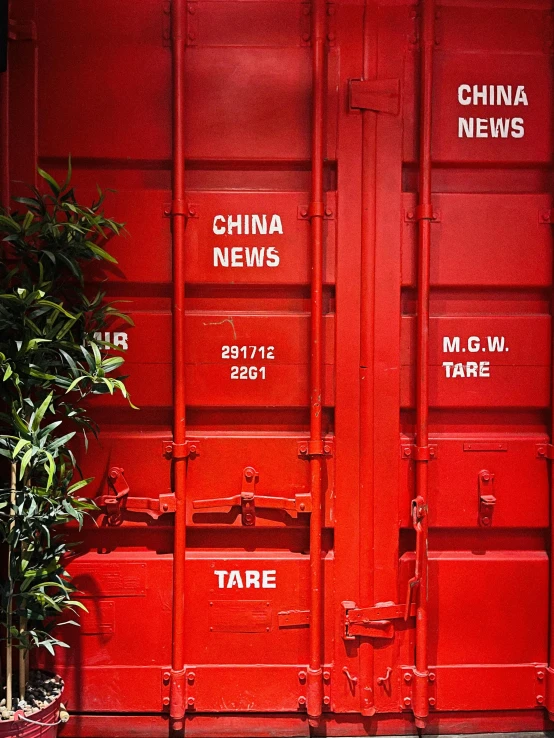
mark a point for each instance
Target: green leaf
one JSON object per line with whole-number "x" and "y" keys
{"x": 100, "y": 252}
{"x": 54, "y": 186}
{"x": 18, "y": 446}
{"x": 39, "y": 415}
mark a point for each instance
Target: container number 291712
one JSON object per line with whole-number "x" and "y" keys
{"x": 244, "y": 371}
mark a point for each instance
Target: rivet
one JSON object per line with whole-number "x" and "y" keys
{"x": 407, "y": 678}
{"x": 192, "y": 36}
{"x": 540, "y": 699}
{"x": 326, "y": 676}
{"x": 407, "y": 701}
{"x": 330, "y": 37}
{"x": 302, "y": 676}
{"x": 407, "y": 452}
{"x": 305, "y": 37}
{"x": 545, "y": 217}
{"x": 167, "y": 676}
{"x": 410, "y": 215}
{"x": 486, "y": 477}
{"x": 326, "y": 700}
{"x": 540, "y": 675}
{"x": 328, "y": 213}
{"x": 192, "y": 449}
{"x": 169, "y": 449}
{"x": 327, "y": 449}
{"x": 303, "y": 449}
{"x": 192, "y": 212}
{"x": 190, "y": 677}
{"x": 267, "y": 629}
{"x": 432, "y": 701}
{"x": 432, "y": 676}
{"x": 301, "y": 700}
{"x": 304, "y": 213}
{"x": 192, "y": 9}
{"x": 302, "y": 506}
{"x": 166, "y": 701}
{"x": 486, "y": 521}
{"x": 165, "y": 506}
{"x": 167, "y": 211}
{"x": 191, "y": 701}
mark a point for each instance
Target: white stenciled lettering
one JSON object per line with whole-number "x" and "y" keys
{"x": 251, "y": 579}
{"x": 491, "y": 128}
{"x": 509, "y": 95}
{"x": 246, "y": 224}
{"x": 454, "y": 370}
{"x": 245, "y": 256}
{"x": 120, "y": 339}
{"x": 450, "y": 345}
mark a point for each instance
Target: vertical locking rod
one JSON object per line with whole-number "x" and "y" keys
{"x": 178, "y": 224}
{"x": 316, "y": 213}
{"x": 367, "y": 350}
{"x": 424, "y": 215}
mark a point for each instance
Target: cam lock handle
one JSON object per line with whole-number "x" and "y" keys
{"x": 248, "y": 500}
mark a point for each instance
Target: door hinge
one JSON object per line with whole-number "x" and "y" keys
{"x": 117, "y": 500}
{"x": 378, "y": 95}
{"x": 373, "y": 622}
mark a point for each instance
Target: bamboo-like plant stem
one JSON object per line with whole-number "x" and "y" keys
{"x": 9, "y": 661}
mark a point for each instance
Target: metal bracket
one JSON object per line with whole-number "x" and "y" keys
{"x": 22, "y": 30}
{"x": 119, "y": 501}
{"x": 377, "y": 95}
{"x": 373, "y": 622}
{"x": 546, "y": 217}
{"x": 308, "y": 449}
{"x": 179, "y": 207}
{"x": 419, "y": 453}
{"x": 422, "y": 212}
{"x": 177, "y": 451}
{"x": 248, "y": 500}
{"x": 487, "y": 499}
{"x": 545, "y": 451}
{"x": 408, "y": 677}
{"x": 303, "y": 213}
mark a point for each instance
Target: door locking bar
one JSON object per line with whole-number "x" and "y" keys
{"x": 373, "y": 622}
{"x": 248, "y": 500}
{"x": 118, "y": 500}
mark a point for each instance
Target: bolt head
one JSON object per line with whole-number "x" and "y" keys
{"x": 540, "y": 675}
{"x": 191, "y": 701}
{"x": 327, "y": 449}
{"x": 330, "y": 37}
{"x": 407, "y": 701}
{"x": 167, "y": 211}
{"x": 305, "y": 37}
{"x": 192, "y": 9}
{"x": 407, "y": 678}
{"x": 326, "y": 700}
{"x": 192, "y": 36}
{"x": 192, "y": 448}
{"x": 432, "y": 676}
{"x": 192, "y": 212}
{"x": 540, "y": 699}
{"x": 302, "y": 676}
{"x": 328, "y": 213}
{"x": 169, "y": 449}
{"x": 486, "y": 477}
{"x": 407, "y": 452}
{"x": 326, "y": 676}
{"x": 432, "y": 701}
{"x": 302, "y": 506}
{"x": 166, "y": 701}
{"x": 301, "y": 700}
{"x": 190, "y": 677}
{"x": 486, "y": 521}
{"x": 410, "y": 215}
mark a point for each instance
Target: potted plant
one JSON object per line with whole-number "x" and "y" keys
{"x": 50, "y": 362}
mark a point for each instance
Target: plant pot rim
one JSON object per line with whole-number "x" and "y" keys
{"x": 49, "y": 715}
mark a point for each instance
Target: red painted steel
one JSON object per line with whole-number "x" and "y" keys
{"x": 424, "y": 217}
{"x": 178, "y": 213}
{"x": 316, "y": 213}
{"x": 365, "y": 239}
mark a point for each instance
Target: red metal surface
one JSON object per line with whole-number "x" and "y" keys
{"x": 346, "y": 528}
